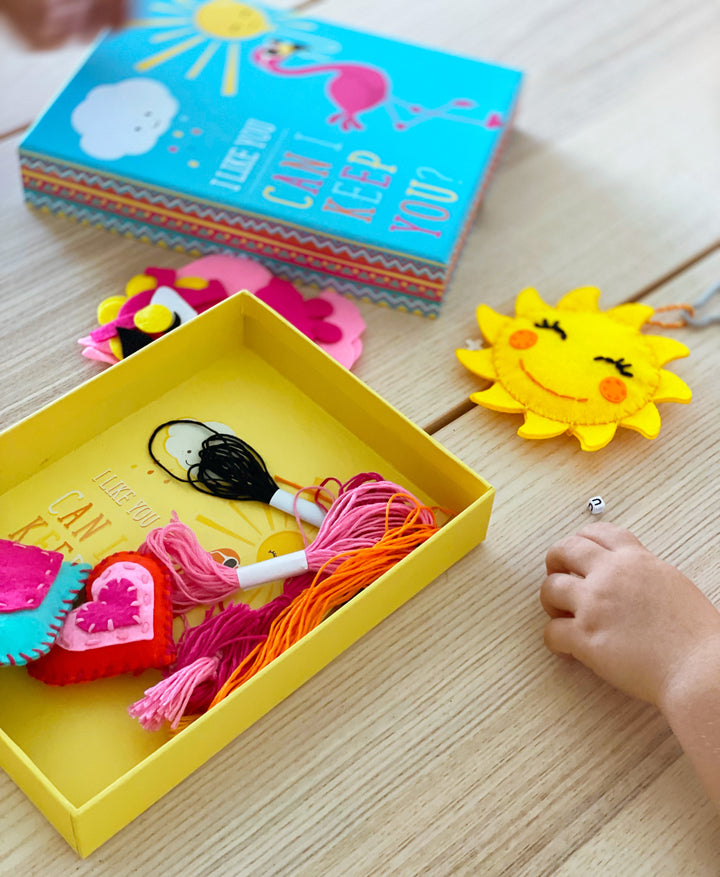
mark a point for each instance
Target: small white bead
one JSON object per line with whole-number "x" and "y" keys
{"x": 596, "y": 505}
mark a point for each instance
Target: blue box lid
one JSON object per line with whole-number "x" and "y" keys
{"x": 272, "y": 114}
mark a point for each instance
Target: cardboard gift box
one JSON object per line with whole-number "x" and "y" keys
{"x": 82, "y": 482}
{"x": 338, "y": 158}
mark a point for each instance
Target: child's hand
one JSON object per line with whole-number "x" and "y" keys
{"x": 632, "y": 618}
{"x": 45, "y": 23}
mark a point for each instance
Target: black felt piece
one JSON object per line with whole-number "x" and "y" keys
{"x": 132, "y": 340}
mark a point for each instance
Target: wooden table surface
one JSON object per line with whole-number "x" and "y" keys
{"x": 448, "y": 740}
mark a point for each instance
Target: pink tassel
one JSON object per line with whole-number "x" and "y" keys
{"x": 167, "y": 701}
{"x": 206, "y": 656}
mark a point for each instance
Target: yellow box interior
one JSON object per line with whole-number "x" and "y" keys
{"x": 74, "y": 750}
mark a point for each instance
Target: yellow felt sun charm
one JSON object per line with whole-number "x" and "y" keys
{"x": 574, "y": 368}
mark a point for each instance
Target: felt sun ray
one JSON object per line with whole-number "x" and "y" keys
{"x": 575, "y": 369}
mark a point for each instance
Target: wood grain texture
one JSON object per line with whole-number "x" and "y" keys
{"x": 448, "y": 741}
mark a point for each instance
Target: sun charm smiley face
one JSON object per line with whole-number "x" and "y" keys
{"x": 574, "y": 368}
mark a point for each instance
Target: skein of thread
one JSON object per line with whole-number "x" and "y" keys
{"x": 196, "y": 577}
{"x": 356, "y": 571}
{"x": 355, "y": 519}
{"x": 230, "y": 468}
{"x": 210, "y": 654}
{"x": 207, "y": 654}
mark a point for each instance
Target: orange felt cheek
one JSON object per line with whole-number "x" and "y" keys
{"x": 613, "y": 389}
{"x": 522, "y": 339}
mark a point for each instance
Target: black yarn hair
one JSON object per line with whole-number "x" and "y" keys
{"x": 228, "y": 468}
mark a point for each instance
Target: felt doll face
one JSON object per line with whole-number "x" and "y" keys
{"x": 575, "y": 369}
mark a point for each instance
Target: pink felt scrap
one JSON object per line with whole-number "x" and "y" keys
{"x": 347, "y": 317}
{"x": 97, "y": 350}
{"x": 307, "y": 316}
{"x": 26, "y": 573}
{"x": 330, "y": 320}
{"x": 234, "y": 272}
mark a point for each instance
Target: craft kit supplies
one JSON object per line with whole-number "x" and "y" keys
{"x": 359, "y": 518}
{"x": 227, "y": 648}
{"x": 155, "y": 302}
{"x": 125, "y": 625}
{"x": 37, "y": 590}
{"x": 356, "y": 571}
{"x": 575, "y": 369}
{"x": 229, "y": 468}
{"x": 338, "y": 158}
{"x": 161, "y": 299}
{"x": 82, "y": 482}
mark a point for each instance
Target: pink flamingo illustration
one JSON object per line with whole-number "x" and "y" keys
{"x": 355, "y": 87}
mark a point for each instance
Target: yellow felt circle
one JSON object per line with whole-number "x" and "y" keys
{"x": 108, "y": 309}
{"x": 116, "y": 348}
{"x": 154, "y": 318}
{"x": 139, "y": 283}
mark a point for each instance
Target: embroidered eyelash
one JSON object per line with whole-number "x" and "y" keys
{"x": 554, "y": 326}
{"x": 620, "y": 364}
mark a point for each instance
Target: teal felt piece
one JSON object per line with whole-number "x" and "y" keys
{"x": 27, "y": 634}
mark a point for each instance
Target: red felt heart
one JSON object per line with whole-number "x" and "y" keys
{"x": 124, "y": 627}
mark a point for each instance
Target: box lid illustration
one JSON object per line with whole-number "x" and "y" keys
{"x": 345, "y": 158}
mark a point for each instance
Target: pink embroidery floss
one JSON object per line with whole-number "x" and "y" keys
{"x": 198, "y": 579}
{"x": 207, "y": 654}
{"x": 357, "y": 519}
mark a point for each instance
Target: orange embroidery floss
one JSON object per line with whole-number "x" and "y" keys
{"x": 359, "y": 569}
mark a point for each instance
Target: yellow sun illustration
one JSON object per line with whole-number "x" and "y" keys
{"x": 207, "y": 27}
{"x": 575, "y": 369}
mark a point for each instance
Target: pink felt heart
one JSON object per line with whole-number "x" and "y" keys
{"x": 121, "y": 610}
{"x": 115, "y": 605}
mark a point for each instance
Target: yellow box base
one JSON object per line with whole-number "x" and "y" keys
{"x": 80, "y": 481}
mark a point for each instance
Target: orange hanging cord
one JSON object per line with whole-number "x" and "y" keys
{"x": 673, "y": 324}
{"x": 689, "y": 315}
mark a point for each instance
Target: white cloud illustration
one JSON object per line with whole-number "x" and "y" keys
{"x": 184, "y": 440}
{"x": 125, "y": 118}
